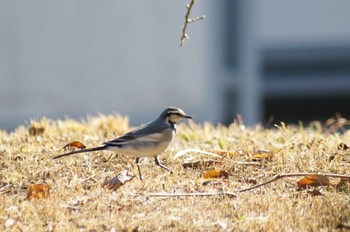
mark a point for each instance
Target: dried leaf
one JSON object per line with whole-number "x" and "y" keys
{"x": 215, "y": 174}
{"x": 313, "y": 180}
{"x": 344, "y": 179}
{"x": 199, "y": 163}
{"x": 38, "y": 191}
{"x": 261, "y": 154}
{"x": 75, "y": 145}
{"x": 342, "y": 146}
{"x": 118, "y": 181}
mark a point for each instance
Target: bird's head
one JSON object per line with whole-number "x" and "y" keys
{"x": 173, "y": 115}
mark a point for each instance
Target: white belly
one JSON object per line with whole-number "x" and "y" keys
{"x": 147, "y": 146}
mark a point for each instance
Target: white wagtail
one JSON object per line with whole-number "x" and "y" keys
{"x": 148, "y": 140}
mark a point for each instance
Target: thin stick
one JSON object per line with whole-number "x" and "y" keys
{"x": 190, "y": 194}
{"x": 277, "y": 177}
{"x": 283, "y": 175}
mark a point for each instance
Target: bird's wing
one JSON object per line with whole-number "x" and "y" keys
{"x": 145, "y": 130}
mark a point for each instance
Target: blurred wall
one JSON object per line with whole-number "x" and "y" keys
{"x": 284, "y": 60}
{"x": 78, "y": 57}
{"x": 257, "y": 58}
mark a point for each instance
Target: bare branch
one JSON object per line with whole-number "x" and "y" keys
{"x": 188, "y": 20}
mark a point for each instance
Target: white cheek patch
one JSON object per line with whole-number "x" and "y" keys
{"x": 174, "y": 118}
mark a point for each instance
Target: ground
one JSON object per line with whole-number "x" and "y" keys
{"x": 77, "y": 201}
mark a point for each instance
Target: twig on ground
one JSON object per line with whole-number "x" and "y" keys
{"x": 231, "y": 194}
{"x": 191, "y": 194}
{"x": 188, "y": 20}
{"x": 280, "y": 176}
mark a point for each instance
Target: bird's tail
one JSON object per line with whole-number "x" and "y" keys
{"x": 81, "y": 151}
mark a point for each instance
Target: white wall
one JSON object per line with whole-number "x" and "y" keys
{"x": 304, "y": 22}
{"x": 78, "y": 57}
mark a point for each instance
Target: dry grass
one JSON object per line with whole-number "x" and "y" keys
{"x": 77, "y": 202}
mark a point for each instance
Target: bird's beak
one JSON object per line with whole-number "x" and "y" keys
{"x": 187, "y": 116}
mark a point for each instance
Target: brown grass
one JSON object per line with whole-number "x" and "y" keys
{"x": 77, "y": 202}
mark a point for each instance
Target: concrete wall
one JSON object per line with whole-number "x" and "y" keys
{"x": 78, "y": 57}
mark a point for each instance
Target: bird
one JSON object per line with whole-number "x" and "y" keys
{"x": 148, "y": 140}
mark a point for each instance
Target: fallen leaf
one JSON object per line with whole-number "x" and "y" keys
{"x": 215, "y": 174}
{"x": 199, "y": 163}
{"x": 75, "y": 145}
{"x": 261, "y": 154}
{"x": 313, "y": 180}
{"x": 118, "y": 181}
{"x": 38, "y": 191}
{"x": 342, "y": 146}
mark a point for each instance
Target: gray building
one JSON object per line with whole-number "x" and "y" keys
{"x": 287, "y": 59}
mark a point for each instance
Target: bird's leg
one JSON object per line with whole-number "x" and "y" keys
{"x": 137, "y": 161}
{"x": 161, "y": 165}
